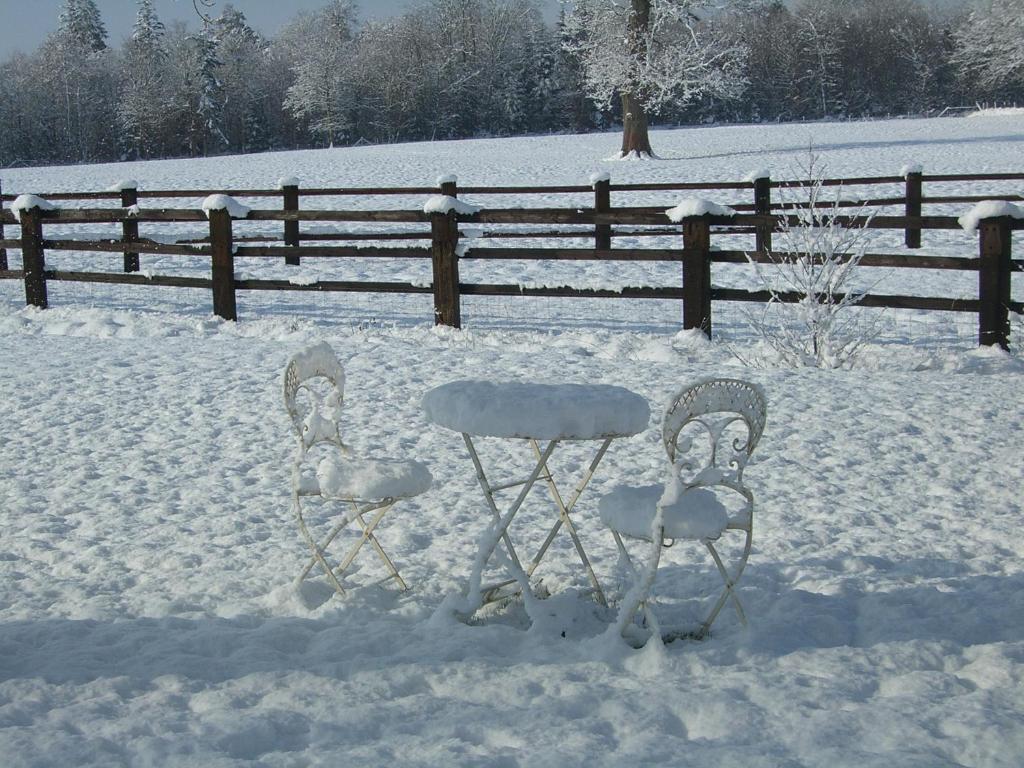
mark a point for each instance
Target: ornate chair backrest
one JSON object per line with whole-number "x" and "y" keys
{"x": 730, "y": 414}
{"x": 314, "y": 389}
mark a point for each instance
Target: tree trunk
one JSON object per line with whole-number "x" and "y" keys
{"x": 634, "y": 116}
{"x": 634, "y": 127}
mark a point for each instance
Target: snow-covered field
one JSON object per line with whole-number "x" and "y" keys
{"x": 148, "y": 614}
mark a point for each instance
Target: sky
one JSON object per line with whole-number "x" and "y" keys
{"x": 24, "y": 25}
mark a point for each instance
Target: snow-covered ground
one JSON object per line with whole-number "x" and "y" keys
{"x": 148, "y": 614}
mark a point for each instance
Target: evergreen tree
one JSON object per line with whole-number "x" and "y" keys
{"x": 143, "y": 92}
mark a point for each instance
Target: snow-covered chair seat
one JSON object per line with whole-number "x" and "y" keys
{"x": 353, "y": 477}
{"x": 709, "y": 431}
{"x": 323, "y": 467}
{"x": 696, "y": 514}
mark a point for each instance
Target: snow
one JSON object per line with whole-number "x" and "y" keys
{"x": 989, "y": 209}
{"x": 695, "y": 206}
{"x": 148, "y": 612}
{"x": 28, "y": 202}
{"x": 909, "y": 168}
{"x": 446, "y": 178}
{"x": 544, "y": 411}
{"x": 371, "y": 479}
{"x": 224, "y": 203}
{"x": 760, "y": 173}
{"x": 446, "y": 203}
{"x": 696, "y": 513}
{"x": 287, "y": 181}
{"x": 122, "y": 185}
{"x": 998, "y": 112}
{"x": 599, "y": 176}
{"x": 132, "y": 210}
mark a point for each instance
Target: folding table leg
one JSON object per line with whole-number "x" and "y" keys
{"x": 501, "y": 523}
{"x": 563, "y": 516}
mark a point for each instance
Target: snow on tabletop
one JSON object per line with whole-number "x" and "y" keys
{"x": 599, "y": 176}
{"x": 761, "y": 173}
{"x": 122, "y": 185}
{"x": 225, "y": 203}
{"x": 542, "y": 411}
{"x": 696, "y": 206}
{"x": 989, "y": 209}
{"x": 446, "y": 178}
{"x": 287, "y": 181}
{"x": 446, "y": 203}
{"x": 369, "y": 479}
{"x": 910, "y": 168}
{"x": 28, "y": 202}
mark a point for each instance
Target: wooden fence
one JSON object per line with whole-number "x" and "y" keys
{"x": 762, "y": 217}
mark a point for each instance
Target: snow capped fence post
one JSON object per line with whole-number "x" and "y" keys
{"x": 763, "y": 207}
{"x": 994, "y": 246}
{"x": 290, "y": 192}
{"x": 602, "y": 204}
{"x": 913, "y": 177}
{"x": 3, "y": 251}
{"x": 130, "y": 228}
{"x": 32, "y": 257}
{"x": 697, "y": 273}
{"x": 223, "y": 264}
{"x": 444, "y": 230}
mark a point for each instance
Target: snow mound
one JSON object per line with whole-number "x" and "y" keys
{"x": 446, "y": 203}
{"x": 999, "y": 112}
{"x": 599, "y": 176}
{"x": 989, "y": 209}
{"x": 753, "y": 176}
{"x": 225, "y": 203}
{"x": 696, "y": 206}
{"x": 287, "y": 181}
{"x": 446, "y": 178}
{"x": 28, "y": 202}
{"x": 910, "y": 168}
{"x": 356, "y": 478}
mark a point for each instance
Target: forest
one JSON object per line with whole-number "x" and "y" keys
{"x": 467, "y": 68}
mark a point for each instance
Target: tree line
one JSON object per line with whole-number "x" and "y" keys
{"x": 463, "y": 68}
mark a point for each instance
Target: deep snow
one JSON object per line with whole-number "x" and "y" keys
{"x": 148, "y": 614}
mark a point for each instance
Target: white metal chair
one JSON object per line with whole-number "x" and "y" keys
{"x": 314, "y": 384}
{"x": 709, "y": 431}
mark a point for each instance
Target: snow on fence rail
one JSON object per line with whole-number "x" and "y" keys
{"x": 762, "y": 217}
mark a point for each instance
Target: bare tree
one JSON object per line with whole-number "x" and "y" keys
{"x": 650, "y": 53}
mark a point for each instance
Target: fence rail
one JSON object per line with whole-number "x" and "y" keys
{"x": 762, "y": 218}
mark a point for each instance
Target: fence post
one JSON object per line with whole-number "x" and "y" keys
{"x": 449, "y": 186}
{"x": 291, "y": 227}
{"x": 912, "y": 235}
{"x": 763, "y": 207}
{"x": 223, "y": 264}
{"x": 32, "y": 258}
{"x": 994, "y": 246}
{"x": 130, "y": 229}
{"x": 602, "y": 204}
{"x": 444, "y": 230}
{"x": 3, "y": 251}
{"x": 697, "y": 274}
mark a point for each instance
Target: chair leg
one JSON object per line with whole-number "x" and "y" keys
{"x": 729, "y": 591}
{"x": 641, "y": 589}
{"x": 380, "y": 550}
{"x": 318, "y": 555}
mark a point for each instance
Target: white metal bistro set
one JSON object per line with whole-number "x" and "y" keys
{"x": 709, "y": 430}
